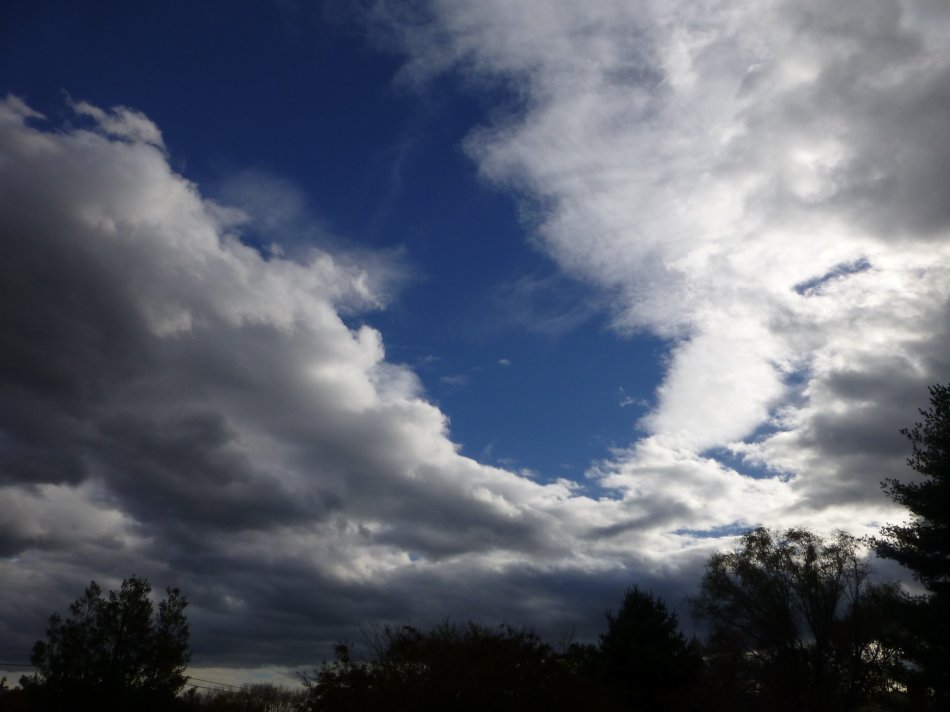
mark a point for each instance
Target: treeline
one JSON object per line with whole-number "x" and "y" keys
{"x": 791, "y": 622}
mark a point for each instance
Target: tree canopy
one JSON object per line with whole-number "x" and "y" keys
{"x": 116, "y": 650}
{"x": 470, "y": 667}
{"x": 643, "y": 662}
{"x": 790, "y": 619}
{"x": 923, "y": 544}
{"x": 644, "y": 655}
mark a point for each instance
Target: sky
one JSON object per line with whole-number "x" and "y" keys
{"x": 336, "y": 314}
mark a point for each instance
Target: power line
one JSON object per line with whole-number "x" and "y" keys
{"x": 240, "y": 688}
{"x": 214, "y": 689}
{"x": 213, "y": 682}
{"x": 239, "y": 691}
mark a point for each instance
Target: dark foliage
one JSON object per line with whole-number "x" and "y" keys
{"x": 794, "y": 623}
{"x": 114, "y": 652}
{"x": 453, "y": 667}
{"x": 645, "y": 658}
{"x": 923, "y": 546}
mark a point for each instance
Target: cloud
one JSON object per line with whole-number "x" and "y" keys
{"x": 543, "y": 304}
{"x": 121, "y": 122}
{"x": 458, "y": 380}
{"x": 624, "y": 400}
{"x": 771, "y": 208}
{"x": 275, "y": 218}
{"x": 180, "y": 404}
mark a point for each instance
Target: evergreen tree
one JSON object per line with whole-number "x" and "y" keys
{"x": 923, "y": 544}
{"x": 645, "y": 657}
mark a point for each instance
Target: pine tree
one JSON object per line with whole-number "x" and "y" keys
{"x": 923, "y": 544}
{"x": 644, "y": 656}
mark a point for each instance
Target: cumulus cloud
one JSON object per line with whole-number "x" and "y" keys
{"x": 179, "y": 403}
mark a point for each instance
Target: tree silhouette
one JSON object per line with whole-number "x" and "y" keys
{"x": 114, "y": 652}
{"x": 453, "y": 667}
{"x": 790, "y": 618}
{"x": 645, "y": 657}
{"x": 923, "y": 545}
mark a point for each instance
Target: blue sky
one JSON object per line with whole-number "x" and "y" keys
{"x": 330, "y": 314}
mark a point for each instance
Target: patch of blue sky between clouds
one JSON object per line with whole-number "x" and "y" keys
{"x": 742, "y": 462}
{"x": 813, "y": 287}
{"x": 725, "y": 530}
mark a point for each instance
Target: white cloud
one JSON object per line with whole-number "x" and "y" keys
{"x": 625, "y": 400}
{"x": 699, "y": 163}
{"x": 121, "y": 122}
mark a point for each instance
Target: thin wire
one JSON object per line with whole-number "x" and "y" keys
{"x": 213, "y": 689}
{"x": 213, "y": 682}
{"x": 239, "y": 688}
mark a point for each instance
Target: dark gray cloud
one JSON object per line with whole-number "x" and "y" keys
{"x": 881, "y": 94}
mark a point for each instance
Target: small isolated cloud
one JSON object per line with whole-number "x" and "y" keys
{"x": 625, "y": 400}
{"x": 551, "y": 304}
{"x": 504, "y": 362}
{"x": 457, "y": 379}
